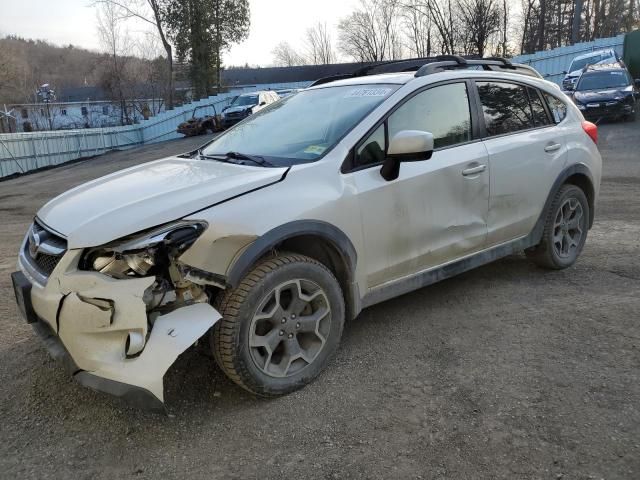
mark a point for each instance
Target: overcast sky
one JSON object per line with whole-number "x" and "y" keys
{"x": 74, "y": 21}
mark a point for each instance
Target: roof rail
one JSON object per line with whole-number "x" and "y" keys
{"x": 428, "y": 65}
{"x": 447, "y": 62}
{"x": 404, "y": 65}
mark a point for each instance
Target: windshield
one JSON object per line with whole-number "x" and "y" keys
{"x": 303, "y": 127}
{"x": 244, "y": 100}
{"x": 583, "y": 62}
{"x": 603, "y": 80}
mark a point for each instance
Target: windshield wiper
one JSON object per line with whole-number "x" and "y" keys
{"x": 227, "y": 157}
{"x": 252, "y": 158}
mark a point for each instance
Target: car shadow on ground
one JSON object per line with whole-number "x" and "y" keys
{"x": 194, "y": 381}
{"x": 194, "y": 384}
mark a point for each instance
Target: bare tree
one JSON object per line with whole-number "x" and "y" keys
{"x": 504, "y": 39}
{"x": 318, "y": 42}
{"x": 369, "y": 33}
{"x": 284, "y": 55}
{"x": 116, "y": 41}
{"x": 441, "y": 13}
{"x": 417, "y": 24}
{"x": 480, "y": 19}
{"x": 151, "y": 12}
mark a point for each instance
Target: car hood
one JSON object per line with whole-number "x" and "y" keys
{"x": 148, "y": 195}
{"x": 241, "y": 108}
{"x": 608, "y": 94}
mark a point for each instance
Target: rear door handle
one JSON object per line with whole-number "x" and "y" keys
{"x": 552, "y": 148}
{"x": 474, "y": 170}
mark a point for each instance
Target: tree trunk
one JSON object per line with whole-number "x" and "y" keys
{"x": 542, "y": 25}
{"x": 155, "y": 7}
{"x": 577, "y": 20}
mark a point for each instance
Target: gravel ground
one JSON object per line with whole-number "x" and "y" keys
{"x": 507, "y": 371}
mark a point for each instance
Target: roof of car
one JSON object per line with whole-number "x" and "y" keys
{"x": 606, "y": 67}
{"x": 405, "y": 77}
{"x": 257, "y": 92}
{"x": 594, "y": 53}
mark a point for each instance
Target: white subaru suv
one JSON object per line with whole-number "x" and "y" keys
{"x": 271, "y": 236}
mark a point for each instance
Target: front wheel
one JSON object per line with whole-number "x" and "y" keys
{"x": 280, "y": 326}
{"x": 565, "y": 230}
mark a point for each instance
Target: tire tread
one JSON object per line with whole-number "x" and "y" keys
{"x": 227, "y": 330}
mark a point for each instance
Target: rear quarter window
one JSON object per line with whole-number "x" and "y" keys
{"x": 557, "y": 107}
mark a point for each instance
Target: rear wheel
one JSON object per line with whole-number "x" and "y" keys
{"x": 280, "y": 327}
{"x": 565, "y": 230}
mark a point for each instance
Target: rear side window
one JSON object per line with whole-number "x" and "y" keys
{"x": 505, "y": 107}
{"x": 557, "y": 107}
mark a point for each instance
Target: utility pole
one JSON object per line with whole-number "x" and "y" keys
{"x": 577, "y": 20}
{"x": 48, "y": 95}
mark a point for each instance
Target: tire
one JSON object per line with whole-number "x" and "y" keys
{"x": 259, "y": 354}
{"x": 561, "y": 244}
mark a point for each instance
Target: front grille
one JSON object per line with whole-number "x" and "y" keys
{"x": 46, "y": 263}
{"x": 43, "y": 249}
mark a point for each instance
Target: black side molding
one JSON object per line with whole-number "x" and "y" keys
{"x": 428, "y": 277}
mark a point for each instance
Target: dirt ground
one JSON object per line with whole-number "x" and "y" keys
{"x": 507, "y": 371}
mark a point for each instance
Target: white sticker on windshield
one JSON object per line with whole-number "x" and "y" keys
{"x": 368, "y": 92}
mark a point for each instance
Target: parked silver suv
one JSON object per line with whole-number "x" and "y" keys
{"x": 290, "y": 223}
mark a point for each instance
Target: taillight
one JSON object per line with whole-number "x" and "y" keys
{"x": 591, "y": 129}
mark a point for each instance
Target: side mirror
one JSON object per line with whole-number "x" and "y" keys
{"x": 406, "y": 146}
{"x": 564, "y": 72}
{"x": 570, "y": 87}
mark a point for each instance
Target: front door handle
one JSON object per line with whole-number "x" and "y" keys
{"x": 474, "y": 170}
{"x": 552, "y": 148}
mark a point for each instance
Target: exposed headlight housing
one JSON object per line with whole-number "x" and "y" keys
{"x": 143, "y": 254}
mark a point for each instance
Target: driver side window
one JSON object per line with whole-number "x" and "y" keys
{"x": 442, "y": 110}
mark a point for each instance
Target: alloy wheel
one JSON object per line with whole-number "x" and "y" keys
{"x": 568, "y": 228}
{"x": 290, "y": 328}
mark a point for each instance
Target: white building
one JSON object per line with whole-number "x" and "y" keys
{"x": 71, "y": 115}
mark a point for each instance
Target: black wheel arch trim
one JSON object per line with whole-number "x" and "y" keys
{"x": 266, "y": 242}
{"x": 571, "y": 170}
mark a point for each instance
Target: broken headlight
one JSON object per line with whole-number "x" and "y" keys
{"x": 144, "y": 254}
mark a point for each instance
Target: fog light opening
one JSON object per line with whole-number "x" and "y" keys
{"x": 134, "y": 344}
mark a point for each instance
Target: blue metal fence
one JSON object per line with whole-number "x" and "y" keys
{"x": 22, "y": 152}
{"x": 551, "y": 63}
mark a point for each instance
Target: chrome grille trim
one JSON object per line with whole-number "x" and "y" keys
{"x": 41, "y": 251}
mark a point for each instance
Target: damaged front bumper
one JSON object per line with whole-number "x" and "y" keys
{"x": 90, "y": 321}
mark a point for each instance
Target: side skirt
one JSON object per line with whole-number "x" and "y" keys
{"x": 427, "y": 277}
